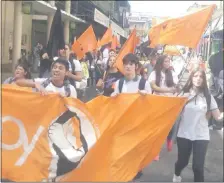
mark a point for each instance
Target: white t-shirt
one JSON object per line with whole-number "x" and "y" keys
{"x": 152, "y": 78}
{"x": 52, "y": 88}
{"x": 194, "y": 124}
{"x": 78, "y": 67}
{"x": 105, "y": 55}
{"x": 132, "y": 86}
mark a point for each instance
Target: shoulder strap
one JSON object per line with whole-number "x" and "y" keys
{"x": 46, "y": 82}
{"x": 67, "y": 88}
{"x": 208, "y": 100}
{"x": 120, "y": 85}
{"x": 141, "y": 85}
{"x": 72, "y": 65}
{"x": 11, "y": 80}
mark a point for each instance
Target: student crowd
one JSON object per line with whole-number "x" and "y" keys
{"x": 69, "y": 77}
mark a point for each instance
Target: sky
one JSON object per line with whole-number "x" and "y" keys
{"x": 165, "y": 8}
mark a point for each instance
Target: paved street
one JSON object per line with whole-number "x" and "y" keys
{"x": 162, "y": 171}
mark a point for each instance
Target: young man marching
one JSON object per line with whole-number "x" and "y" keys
{"x": 56, "y": 83}
{"x": 132, "y": 82}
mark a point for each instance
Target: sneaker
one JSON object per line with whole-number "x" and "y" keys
{"x": 169, "y": 144}
{"x": 176, "y": 178}
{"x": 156, "y": 158}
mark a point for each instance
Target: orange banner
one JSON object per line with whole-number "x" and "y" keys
{"x": 171, "y": 50}
{"x": 87, "y": 42}
{"x": 185, "y": 31}
{"x": 115, "y": 43}
{"x": 48, "y": 136}
{"x": 107, "y": 37}
{"x": 156, "y": 21}
{"x": 128, "y": 47}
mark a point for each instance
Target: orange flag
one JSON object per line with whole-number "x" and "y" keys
{"x": 115, "y": 43}
{"x": 171, "y": 50}
{"x": 185, "y": 31}
{"x": 85, "y": 43}
{"x": 128, "y": 47}
{"x": 78, "y": 50}
{"x": 113, "y": 145}
{"x": 32, "y": 140}
{"x": 107, "y": 37}
{"x": 137, "y": 40}
{"x": 156, "y": 21}
{"x": 98, "y": 44}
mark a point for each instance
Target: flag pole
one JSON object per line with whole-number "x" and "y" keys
{"x": 185, "y": 68}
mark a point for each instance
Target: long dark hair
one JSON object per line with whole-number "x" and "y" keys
{"x": 108, "y": 67}
{"x": 168, "y": 73}
{"x": 204, "y": 87}
{"x": 189, "y": 83}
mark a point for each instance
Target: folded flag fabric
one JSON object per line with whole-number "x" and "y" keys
{"x": 44, "y": 137}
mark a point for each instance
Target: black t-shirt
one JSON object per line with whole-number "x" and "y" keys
{"x": 45, "y": 64}
{"x": 110, "y": 79}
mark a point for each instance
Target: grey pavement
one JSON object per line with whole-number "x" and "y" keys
{"x": 162, "y": 170}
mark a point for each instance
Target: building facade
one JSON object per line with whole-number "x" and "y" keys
{"x": 212, "y": 39}
{"x": 25, "y": 23}
{"x": 142, "y": 22}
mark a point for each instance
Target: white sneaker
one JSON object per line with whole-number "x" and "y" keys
{"x": 176, "y": 178}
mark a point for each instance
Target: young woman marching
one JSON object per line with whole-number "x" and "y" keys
{"x": 163, "y": 81}
{"x": 21, "y": 72}
{"x": 193, "y": 133}
{"x": 109, "y": 78}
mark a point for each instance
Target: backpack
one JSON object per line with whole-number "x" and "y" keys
{"x": 66, "y": 86}
{"x": 11, "y": 80}
{"x": 141, "y": 85}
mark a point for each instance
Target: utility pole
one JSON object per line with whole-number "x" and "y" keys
{"x": 209, "y": 40}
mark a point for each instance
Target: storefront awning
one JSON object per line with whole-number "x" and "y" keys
{"x": 44, "y": 8}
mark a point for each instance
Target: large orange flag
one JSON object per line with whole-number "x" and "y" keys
{"x": 185, "y": 31}
{"x": 171, "y": 50}
{"x": 107, "y": 37}
{"x": 156, "y": 21}
{"x": 78, "y": 50}
{"x": 128, "y": 47}
{"x": 115, "y": 43}
{"x": 64, "y": 135}
{"x": 85, "y": 43}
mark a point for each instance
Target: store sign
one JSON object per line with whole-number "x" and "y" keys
{"x": 101, "y": 18}
{"x": 104, "y": 20}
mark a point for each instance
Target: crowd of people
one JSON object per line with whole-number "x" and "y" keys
{"x": 67, "y": 75}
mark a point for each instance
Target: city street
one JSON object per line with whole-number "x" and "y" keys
{"x": 162, "y": 170}
{"x": 74, "y": 51}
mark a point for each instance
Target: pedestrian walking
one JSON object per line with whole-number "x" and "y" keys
{"x": 99, "y": 66}
{"x": 56, "y": 83}
{"x": 131, "y": 82}
{"x": 193, "y": 133}
{"x": 110, "y": 76}
{"x": 163, "y": 82}
{"x": 21, "y": 72}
